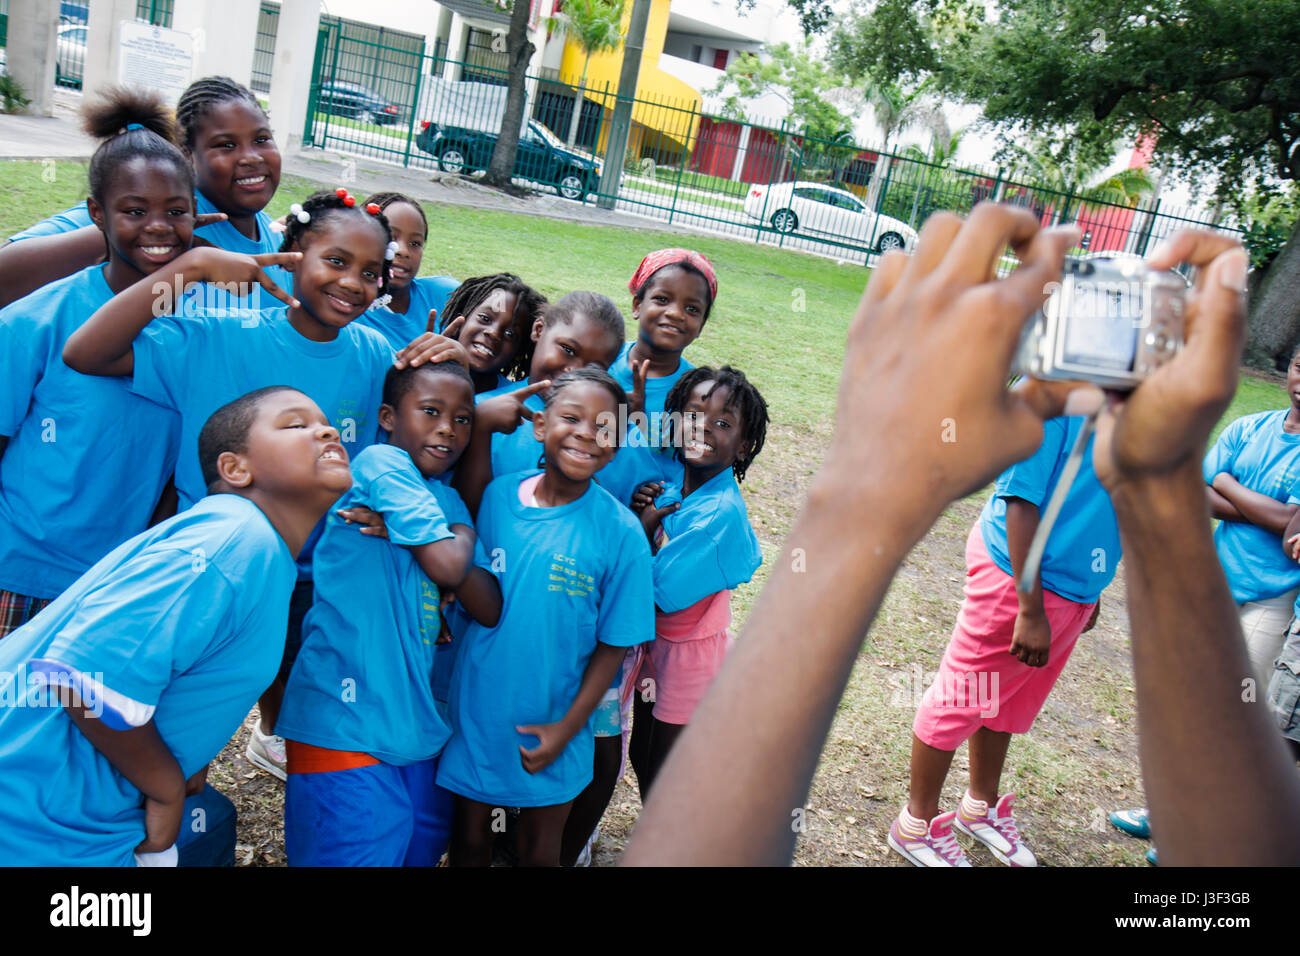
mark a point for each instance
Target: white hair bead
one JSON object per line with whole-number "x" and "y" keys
{"x": 391, "y": 252}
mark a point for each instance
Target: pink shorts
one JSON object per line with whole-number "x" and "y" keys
{"x": 685, "y": 656}
{"x": 979, "y": 683}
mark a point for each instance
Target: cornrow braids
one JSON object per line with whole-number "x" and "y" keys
{"x": 202, "y": 95}
{"x": 131, "y": 124}
{"x": 741, "y": 396}
{"x": 385, "y": 199}
{"x": 529, "y": 303}
{"x": 325, "y": 205}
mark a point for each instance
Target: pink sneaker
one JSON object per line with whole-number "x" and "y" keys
{"x": 937, "y": 848}
{"x": 997, "y": 831}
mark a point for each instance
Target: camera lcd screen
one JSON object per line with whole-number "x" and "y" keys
{"x": 1101, "y": 323}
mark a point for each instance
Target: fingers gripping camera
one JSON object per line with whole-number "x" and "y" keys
{"x": 1111, "y": 322}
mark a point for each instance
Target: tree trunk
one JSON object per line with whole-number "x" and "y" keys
{"x": 1274, "y": 326}
{"x": 520, "y": 50}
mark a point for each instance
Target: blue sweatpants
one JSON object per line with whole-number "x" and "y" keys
{"x": 379, "y": 815}
{"x": 207, "y": 836}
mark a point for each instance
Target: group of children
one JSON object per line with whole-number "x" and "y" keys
{"x": 442, "y": 533}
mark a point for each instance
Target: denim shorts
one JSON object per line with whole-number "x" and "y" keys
{"x": 1284, "y": 686}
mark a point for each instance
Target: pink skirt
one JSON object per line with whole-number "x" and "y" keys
{"x": 979, "y": 683}
{"x": 686, "y": 654}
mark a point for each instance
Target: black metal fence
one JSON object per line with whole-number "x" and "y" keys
{"x": 727, "y": 175}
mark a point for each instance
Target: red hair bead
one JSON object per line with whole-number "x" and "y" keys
{"x": 341, "y": 192}
{"x": 373, "y": 208}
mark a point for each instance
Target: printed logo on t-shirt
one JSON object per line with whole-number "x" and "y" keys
{"x": 429, "y": 621}
{"x": 566, "y": 577}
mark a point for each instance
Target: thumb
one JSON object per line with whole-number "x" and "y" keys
{"x": 453, "y": 327}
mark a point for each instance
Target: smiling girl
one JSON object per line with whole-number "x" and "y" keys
{"x": 85, "y": 460}
{"x": 498, "y": 312}
{"x": 196, "y": 363}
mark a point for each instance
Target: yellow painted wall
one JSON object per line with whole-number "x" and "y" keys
{"x": 676, "y": 119}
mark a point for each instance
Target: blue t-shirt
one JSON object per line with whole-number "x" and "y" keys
{"x": 362, "y": 681}
{"x": 87, "y": 459}
{"x": 571, "y": 576}
{"x": 709, "y": 544}
{"x": 187, "y": 619}
{"x": 197, "y": 363}
{"x": 78, "y": 217}
{"x": 1083, "y": 550}
{"x": 401, "y": 329}
{"x": 1265, "y": 459}
{"x": 225, "y": 236}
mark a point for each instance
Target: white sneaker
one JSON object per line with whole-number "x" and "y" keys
{"x": 938, "y": 847}
{"x": 584, "y": 858}
{"x": 266, "y": 751}
{"x": 997, "y": 831}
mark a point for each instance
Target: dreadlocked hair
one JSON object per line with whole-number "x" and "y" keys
{"x": 324, "y": 206}
{"x": 202, "y": 95}
{"x": 742, "y": 396}
{"x": 106, "y": 119}
{"x": 528, "y": 305}
{"x": 384, "y": 200}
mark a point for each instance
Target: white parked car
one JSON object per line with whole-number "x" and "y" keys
{"x": 815, "y": 209}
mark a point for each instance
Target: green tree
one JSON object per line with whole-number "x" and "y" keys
{"x": 1216, "y": 82}
{"x": 793, "y": 75}
{"x": 596, "y": 26}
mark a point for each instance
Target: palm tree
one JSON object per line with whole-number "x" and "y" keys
{"x": 1062, "y": 170}
{"x": 596, "y": 26}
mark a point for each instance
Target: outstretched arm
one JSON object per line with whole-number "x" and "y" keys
{"x": 102, "y": 346}
{"x": 1219, "y": 783}
{"x": 738, "y": 775}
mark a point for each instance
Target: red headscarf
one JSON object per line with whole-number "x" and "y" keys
{"x": 671, "y": 257}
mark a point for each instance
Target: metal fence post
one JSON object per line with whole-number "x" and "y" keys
{"x": 415, "y": 105}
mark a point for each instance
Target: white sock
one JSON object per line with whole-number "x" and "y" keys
{"x": 911, "y": 826}
{"x": 973, "y": 809}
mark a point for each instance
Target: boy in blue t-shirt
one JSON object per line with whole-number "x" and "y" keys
{"x": 362, "y": 727}
{"x": 1007, "y": 649}
{"x": 121, "y": 691}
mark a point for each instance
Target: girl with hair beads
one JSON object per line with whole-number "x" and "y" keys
{"x": 410, "y": 304}
{"x": 574, "y": 570}
{"x": 703, "y": 548}
{"x": 673, "y": 291}
{"x": 497, "y": 311}
{"x": 227, "y": 137}
{"x": 336, "y": 251}
{"x": 85, "y": 461}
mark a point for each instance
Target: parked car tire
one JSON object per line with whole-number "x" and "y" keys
{"x": 452, "y": 159}
{"x": 365, "y": 116}
{"x": 572, "y": 185}
{"x": 890, "y": 241}
{"x": 784, "y": 220}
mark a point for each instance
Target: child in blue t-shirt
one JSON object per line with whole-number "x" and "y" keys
{"x": 491, "y": 316}
{"x": 1252, "y": 477}
{"x": 673, "y": 291}
{"x": 363, "y": 730}
{"x": 1007, "y": 649}
{"x": 574, "y": 569}
{"x": 85, "y": 461}
{"x": 196, "y": 361}
{"x": 411, "y": 303}
{"x": 119, "y": 693}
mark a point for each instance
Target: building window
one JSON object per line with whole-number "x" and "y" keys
{"x": 696, "y": 52}
{"x": 157, "y": 12}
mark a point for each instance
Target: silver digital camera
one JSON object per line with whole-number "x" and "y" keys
{"x": 1112, "y": 322}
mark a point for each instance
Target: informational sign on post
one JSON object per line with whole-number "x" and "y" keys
{"x": 155, "y": 58}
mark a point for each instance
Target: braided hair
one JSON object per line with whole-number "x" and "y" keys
{"x": 152, "y": 135}
{"x": 324, "y": 206}
{"x": 202, "y": 95}
{"x": 742, "y": 397}
{"x": 529, "y": 303}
